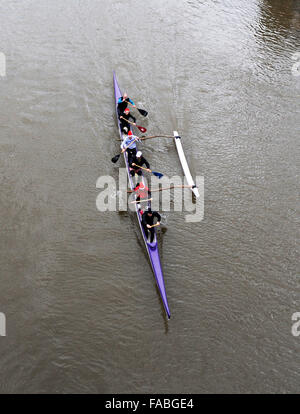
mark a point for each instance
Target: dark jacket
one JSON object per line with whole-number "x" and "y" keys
{"x": 142, "y": 161}
{"x": 127, "y": 117}
{"x": 149, "y": 220}
{"x": 122, "y": 105}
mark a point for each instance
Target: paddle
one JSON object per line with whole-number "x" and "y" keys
{"x": 157, "y": 136}
{"x": 140, "y": 201}
{"x": 141, "y": 111}
{"x": 153, "y": 225}
{"x": 167, "y": 188}
{"x": 142, "y": 129}
{"x": 174, "y": 186}
{"x": 153, "y": 136}
{"x": 116, "y": 157}
{"x": 157, "y": 174}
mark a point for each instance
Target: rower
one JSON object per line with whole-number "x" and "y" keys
{"x": 138, "y": 162}
{"x": 123, "y": 102}
{"x": 141, "y": 192}
{"x": 130, "y": 142}
{"x": 147, "y": 222}
{"x": 124, "y": 117}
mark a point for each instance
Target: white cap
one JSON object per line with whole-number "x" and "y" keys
{"x": 139, "y": 154}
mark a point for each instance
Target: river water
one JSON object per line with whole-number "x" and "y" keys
{"x": 82, "y": 311}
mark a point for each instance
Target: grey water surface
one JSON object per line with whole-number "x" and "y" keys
{"x": 82, "y": 311}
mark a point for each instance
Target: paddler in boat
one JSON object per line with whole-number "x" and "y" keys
{"x": 147, "y": 222}
{"x": 123, "y": 102}
{"x": 138, "y": 162}
{"x": 142, "y": 192}
{"x": 130, "y": 142}
{"x": 124, "y": 117}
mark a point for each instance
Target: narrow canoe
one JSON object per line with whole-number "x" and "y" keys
{"x": 152, "y": 248}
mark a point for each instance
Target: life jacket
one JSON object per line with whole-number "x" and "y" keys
{"x": 142, "y": 191}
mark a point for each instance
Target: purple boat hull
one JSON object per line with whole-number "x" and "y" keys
{"x": 152, "y": 248}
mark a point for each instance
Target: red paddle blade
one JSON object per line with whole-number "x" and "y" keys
{"x": 142, "y": 129}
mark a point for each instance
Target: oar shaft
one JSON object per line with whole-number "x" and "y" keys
{"x": 154, "y": 225}
{"x": 173, "y": 186}
{"x": 166, "y": 188}
{"x": 153, "y": 136}
{"x": 142, "y": 129}
{"x": 143, "y": 168}
{"x": 141, "y": 201}
{"x": 129, "y": 122}
{"x": 157, "y": 136}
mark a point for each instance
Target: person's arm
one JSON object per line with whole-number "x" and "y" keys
{"x": 136, "y": 138}
{"x": 144, "y": 219}
{"x": 131, "y": 101}
{"x": 124, "y": 143}
{"x": 126, "y": 117}
{"x": 144, "y": 161}
{"x": 157, "y": 215}
{"x": 133, "y": 118}
{"x": 132, "y": 165}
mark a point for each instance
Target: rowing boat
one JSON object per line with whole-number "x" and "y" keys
{"x": 152, "y": 248}
{"x": 184, "y": 164}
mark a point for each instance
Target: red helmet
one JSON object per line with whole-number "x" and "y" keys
{"x": 126, "y": 110}
{"x": 129, "y": 133}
